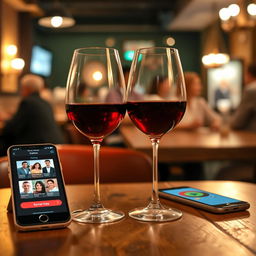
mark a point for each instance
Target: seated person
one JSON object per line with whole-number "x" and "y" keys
{"x": 223, "y": 94}
{"x": 198, "y": 112}
{"x": 34, "y": 120}
{"x": 244, "y": 117}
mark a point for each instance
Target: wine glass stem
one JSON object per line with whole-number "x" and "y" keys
{"x": 154, "y": 197}
{"x": 96, "y": 153}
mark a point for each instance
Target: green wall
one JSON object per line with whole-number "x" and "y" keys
{"x": 63, "y": 44}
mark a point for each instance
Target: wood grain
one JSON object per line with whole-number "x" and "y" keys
{"x": 196, "y": 233}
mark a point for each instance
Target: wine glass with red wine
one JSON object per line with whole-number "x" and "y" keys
{"x": 95, "y": 104}
{"x": 156, "y": 102}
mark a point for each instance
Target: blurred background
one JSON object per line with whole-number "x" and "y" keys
{"x": 192, "y": 26}
{"x": 215, "y": 38}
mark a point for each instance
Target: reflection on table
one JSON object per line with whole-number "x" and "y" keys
{"x": 196, "y": 233}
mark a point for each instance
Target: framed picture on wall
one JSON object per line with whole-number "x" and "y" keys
{"x": 224, "y": 85}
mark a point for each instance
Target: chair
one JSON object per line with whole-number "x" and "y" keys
{"x": 4, "y": 179}
{"x": 116, "y": 164}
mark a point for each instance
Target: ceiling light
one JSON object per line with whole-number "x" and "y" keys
{"x": 215, "y": 54}
{"x": 251, "y": 8}
{"x": 11, "y": 50}
{"x": 57, "y": 17}
{"x": 234, "y": 9}
{"x": 97, "y": 75}
{"x": 17, "y": 63}
{"x": 238, "y": 16}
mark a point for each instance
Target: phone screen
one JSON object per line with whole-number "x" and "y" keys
{"x": 37, "y": 184}
{"x": 200, "y": 196}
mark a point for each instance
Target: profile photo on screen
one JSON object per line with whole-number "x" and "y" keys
{"x": 25, "y": 187}
{"x": 39, "y": 188}
{"x": 52, "y": 187}
{"x": 23, "y": 169}
{"x": 36, "y": 169}
{"x": 48, "y": 168}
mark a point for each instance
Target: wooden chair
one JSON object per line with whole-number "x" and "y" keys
{"x": 4, "y": 179}
{"x": 116, "y": 164}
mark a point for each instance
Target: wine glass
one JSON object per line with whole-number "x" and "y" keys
{"x": 95, "y": 103}
{"x": 156, "y": 102}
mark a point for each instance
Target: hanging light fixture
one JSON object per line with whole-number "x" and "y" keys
{"x": 57, "y": 17}
{"x": 215, "y": 53}
{"x": 242, "y": 15}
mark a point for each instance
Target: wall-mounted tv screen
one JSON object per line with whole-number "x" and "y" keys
{"x": 41, "y": 61}
{"x": 225, "y": 85}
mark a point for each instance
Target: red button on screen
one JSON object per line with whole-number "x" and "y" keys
{"x": 37, "y": 204}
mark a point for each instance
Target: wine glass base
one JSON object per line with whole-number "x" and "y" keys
{"x": 156, "y": 215}
{"x": 97, "y": 216}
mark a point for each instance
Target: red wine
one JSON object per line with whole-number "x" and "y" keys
{"x": 156, "y": 118}
{"x": 96, "y": 120}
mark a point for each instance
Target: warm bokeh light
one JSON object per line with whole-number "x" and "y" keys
{"x": 251, "y": 8}
{"x": 170, "y": 41}
{"x": 17, "y": 63}
{"x": 11, "y": 50}
{"x": 5, "y": 65}
{"x": 110, "y": 42}
{"x": 234, "y": 10}
{"x": 97, "y": 75}
{"x": 224, "y": 14}
{"x": 56, "y": 21}
{"x": 213, "y": 59}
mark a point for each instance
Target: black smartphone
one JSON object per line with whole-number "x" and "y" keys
{"x": 203, "y": 199}
{"x": 39, "y": 199}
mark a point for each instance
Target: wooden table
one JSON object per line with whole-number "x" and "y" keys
{"x": 196, "y": 233}
{"x": 201, "y": 145}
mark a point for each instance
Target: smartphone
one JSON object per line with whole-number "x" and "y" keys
{"x": 39, "y": 199}
{"x": 204, "y": 200}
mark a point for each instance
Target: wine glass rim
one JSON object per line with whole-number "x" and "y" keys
{"x": 158, "y": 48}
{"x": 79, "y": 50}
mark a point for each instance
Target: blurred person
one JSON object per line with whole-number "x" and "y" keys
{"x": 198, "y": 112}
{"x": 48, "y": 168}
{"x": 222, "y": 95}
{"x": 51, "y": 186}
{"x": 39, "y": 187}
{"x": 115, "y": 139}
{"x": 36, "y": 168}
{"x": 244, "y": 117}
{"x": 159, "y": 88}
{"x": 34, "y": 120}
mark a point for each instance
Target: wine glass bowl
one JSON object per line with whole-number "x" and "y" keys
{"x": 95, "y": 104}
{"x": 156, "y": 102}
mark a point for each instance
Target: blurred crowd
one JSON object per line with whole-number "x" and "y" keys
{"x": 35, "y": 122}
